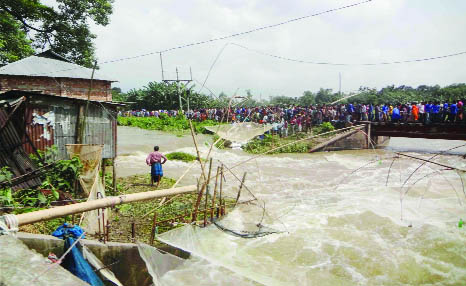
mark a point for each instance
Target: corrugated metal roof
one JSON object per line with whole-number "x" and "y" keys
{"x": 48, "y": 67}
{"x": 11, "y": 101}
{"x": 11, "y": 152}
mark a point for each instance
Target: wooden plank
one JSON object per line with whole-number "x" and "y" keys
{"x": 334, "y": 139}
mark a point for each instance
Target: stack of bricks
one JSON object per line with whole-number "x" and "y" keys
{"x": 66, "y": 87}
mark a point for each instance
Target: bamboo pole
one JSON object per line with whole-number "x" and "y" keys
{"x": 431, "y": 162}
{"x": 214, "y": 194}
{"x": 291, "y": 143}
{"x": 197, "y": 149}
{"x": 240, "y": 187}
{"x": 221, "y": 186}
{"x": 154, "y": 226}
{"x": 104, "y": 163}
{"x": 201, "y": 192}
{"x": 205, "y": 205}
{"x": 47, "y": 214}
{"x": 133, "y": 232}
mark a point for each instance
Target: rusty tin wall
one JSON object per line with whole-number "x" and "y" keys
{"x": 99, "y": 129}
{"x": 99, "y": 125}
{"x": 11, "y": 152}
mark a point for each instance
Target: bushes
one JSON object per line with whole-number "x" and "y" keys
{"x": 181, "y": 156}
{"x": 6, "y": 197}
{"x": 257, "y": 146}
{"x": 60, "y": 177}
{"x": 324, "y": 127}
{"x": 165, "y": 123}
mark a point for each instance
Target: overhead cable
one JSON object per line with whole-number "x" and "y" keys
{"x": 347, "y": 64}
{"x": 240, "y": 33}
{"x": 224, "y": 37}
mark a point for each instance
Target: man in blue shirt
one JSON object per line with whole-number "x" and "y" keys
{"x": 445, "y": 112}
{"x": 436, "y": 112}
{"x": 385, "y": 112}
{"x": 428, "y": 110}
{"x": 396, "y": 114}
{"x": 453, "y": 112}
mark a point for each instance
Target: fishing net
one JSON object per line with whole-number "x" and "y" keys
{"x": 22, "y": 266}
{"x": 221, "y": 249}
{"x": 245, "y": 221}
{"x": 158, "y": 263}
{"x": 240, "y": 132}
{"x": 91, "y": 183}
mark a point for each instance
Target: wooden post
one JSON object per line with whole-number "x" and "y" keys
{"x": 79, "y": 127}
{"x": 104, "y": 161}
{"x": 201, "y": 192}
{"x": 205, "y": 205}
{"x": 368, "y": 135}
{"x": 214, "y": 194}
{"x": 221, "y": 187}
{"x": 240, "y": 187}
{"x": 107, "y": 231}
{"x": 197, "y": 149}
{"x": 114, "y": 183}
{"x": 133, "y": 231}
{"x": 82, "y": 119}
{"x": 154, "y": 227}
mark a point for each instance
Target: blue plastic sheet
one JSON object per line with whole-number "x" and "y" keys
{"x": 74, "y": 260}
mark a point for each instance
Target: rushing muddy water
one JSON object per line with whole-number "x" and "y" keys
{"x": 339, "y": 227}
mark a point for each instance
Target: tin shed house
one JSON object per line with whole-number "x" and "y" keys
{"x": 42, "y": 106}
{"x": 49, "y": 73}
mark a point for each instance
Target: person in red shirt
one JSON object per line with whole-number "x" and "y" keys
{"x": 415, "y": 112}
{"x": 154, "y": 160}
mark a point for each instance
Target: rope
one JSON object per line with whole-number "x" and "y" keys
{"x": 59, "y": 261}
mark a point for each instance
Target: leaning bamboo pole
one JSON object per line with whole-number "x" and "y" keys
{"x": 48, "y": 214}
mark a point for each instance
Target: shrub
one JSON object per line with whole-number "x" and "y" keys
{"x": 166, "y": 123}
{"x": 181, "y": 156}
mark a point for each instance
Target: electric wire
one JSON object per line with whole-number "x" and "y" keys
{"x": 241, "y": 33}
{"x": 349, "y": 64}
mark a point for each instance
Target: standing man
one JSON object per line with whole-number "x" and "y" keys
{"x": 154, "y": 160}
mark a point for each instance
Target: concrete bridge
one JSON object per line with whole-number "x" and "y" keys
{"x": 447, "y": 131}
{"x": 380, "y": 132}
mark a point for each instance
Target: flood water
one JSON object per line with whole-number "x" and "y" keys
{"x": 337, "y": 226}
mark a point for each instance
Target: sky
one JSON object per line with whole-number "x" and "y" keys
{"x": 378, "y": 31}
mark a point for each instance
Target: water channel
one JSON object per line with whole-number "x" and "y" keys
{"x": 338, "y": 227}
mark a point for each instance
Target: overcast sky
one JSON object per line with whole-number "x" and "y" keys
{"x": 379, "y": 31}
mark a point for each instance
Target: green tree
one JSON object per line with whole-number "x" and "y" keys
{"x": 307, "y": 99}
{"x": 283, "y": 100}
{"x": 65, "y": 28}
{"x": 13, "y": 42}
{"x": 324, "y": 96}
{"x": 117, "y": 95}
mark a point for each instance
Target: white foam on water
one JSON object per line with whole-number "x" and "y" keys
{"x": 340, "y": 228}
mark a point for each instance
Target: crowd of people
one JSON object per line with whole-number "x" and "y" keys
{"x": 302, "y": 118}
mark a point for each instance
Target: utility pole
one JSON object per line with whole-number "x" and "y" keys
{"x": 177, "y": 80}
{"x": 339, "y": 89}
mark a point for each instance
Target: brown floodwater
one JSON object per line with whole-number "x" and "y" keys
{"x": 337, "y": 226}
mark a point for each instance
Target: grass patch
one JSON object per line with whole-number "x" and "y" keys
{"x": 257, "y": 146}
{"x": 269, "y": 142}
{"x": 122, "y": 216}
{"x": 177, "y": 125}
{"x": 181, "y": 156}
